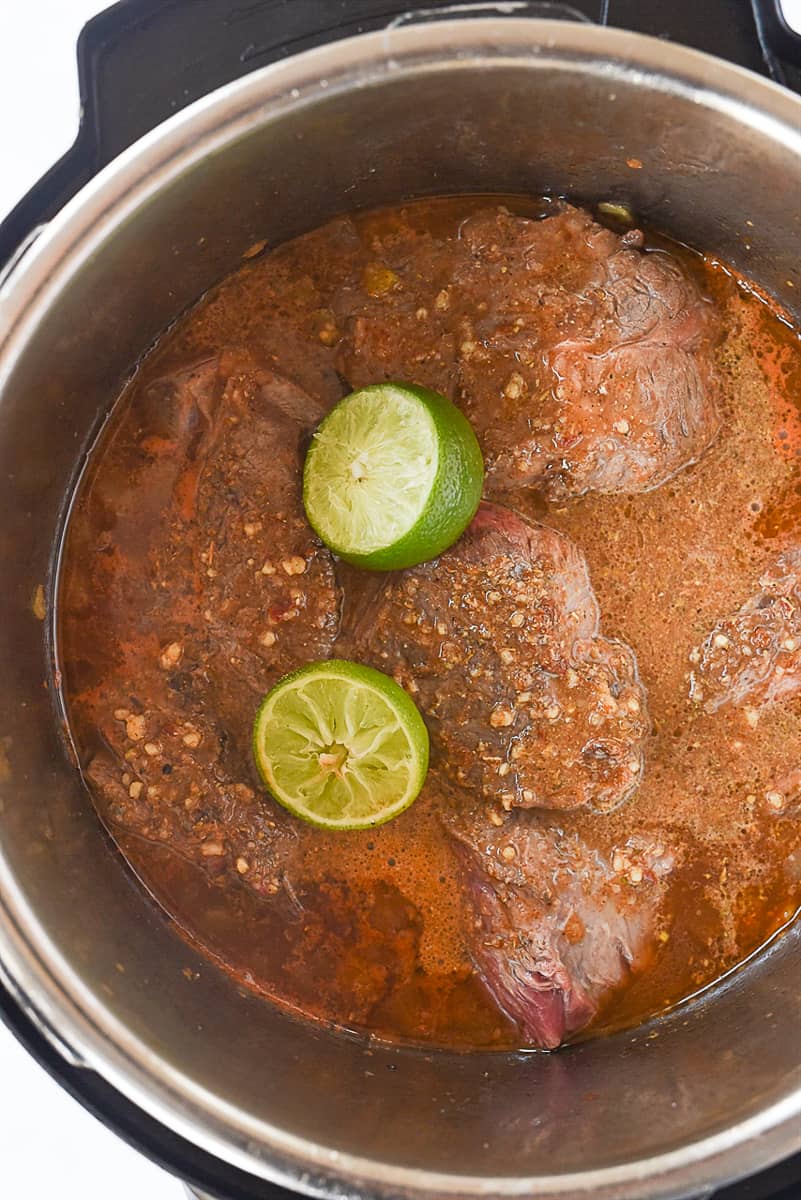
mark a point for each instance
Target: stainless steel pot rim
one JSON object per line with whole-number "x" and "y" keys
{"x": 43, "y": 980}
{"x": 196, "y": 131}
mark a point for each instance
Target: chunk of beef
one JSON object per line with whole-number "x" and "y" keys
{"x": 163, "y": 775}
{"x": 403, "y": 328}
{"x": 265, "y": 585}
{"x": 498, "y": 643}
{"x": 600, "y": 355}
{"x": 558, "y": 927}
{"x": 211, "y": 585}
{"x": 582, "y": 362}
{"x": 754, "y": 656}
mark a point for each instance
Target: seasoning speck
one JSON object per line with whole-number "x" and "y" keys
{"x": 135, "y": 727}
{"x": 38, "y": 605}
{"x": 501, "y": 716}
{"x": 171, "y": 655}
{"x": 294, "y": 565}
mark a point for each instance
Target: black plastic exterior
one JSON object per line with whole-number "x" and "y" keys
{"x": 139, "y": 62}
{"x": 143, "y": 60}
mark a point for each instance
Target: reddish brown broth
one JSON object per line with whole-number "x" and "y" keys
{"x": 367, "y": 929}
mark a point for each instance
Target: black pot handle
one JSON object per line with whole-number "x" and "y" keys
{"x": 781, "y": 45}
{"x": 140, "y": 61}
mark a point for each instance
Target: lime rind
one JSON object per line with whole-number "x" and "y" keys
{"x": 393, "y": 476}
{"x": 341, "y": 710}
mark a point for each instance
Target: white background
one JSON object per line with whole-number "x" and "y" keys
{"x": 48, "y": 1145}
{"x": 50, "y": 1148}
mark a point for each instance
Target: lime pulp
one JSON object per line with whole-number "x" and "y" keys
{"x": 341, "y": 745}
{"x": 393, "y": 476}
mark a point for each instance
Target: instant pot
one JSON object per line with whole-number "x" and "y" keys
{"x": 295, "y": 111}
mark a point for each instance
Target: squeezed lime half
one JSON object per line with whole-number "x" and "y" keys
{"x": 341, "y": 745}
{"x": 393, "y": 476}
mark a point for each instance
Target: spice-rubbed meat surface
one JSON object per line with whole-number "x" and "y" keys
{"x": 583, "y": 363}
{"x": 754, "y": 657}
{"x": 558, "y": 928}
{"x": 209, "y": 585}
{"x": 498, "y": 642}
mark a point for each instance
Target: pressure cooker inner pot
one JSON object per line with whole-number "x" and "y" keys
{"x": 92, "y": 954}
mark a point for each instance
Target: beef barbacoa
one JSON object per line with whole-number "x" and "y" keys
{"x": 559, "y": 928}
{"x": 498, "y": 642}
{"x": 205, "y": 546}
{"x": 588, "y": 848}
{"x": 586, "y": 366}
{"x": 754, "y": 657}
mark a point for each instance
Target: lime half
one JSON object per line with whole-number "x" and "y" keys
{"x": 393, "y": 476}
{"x": 341, "y": 745}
